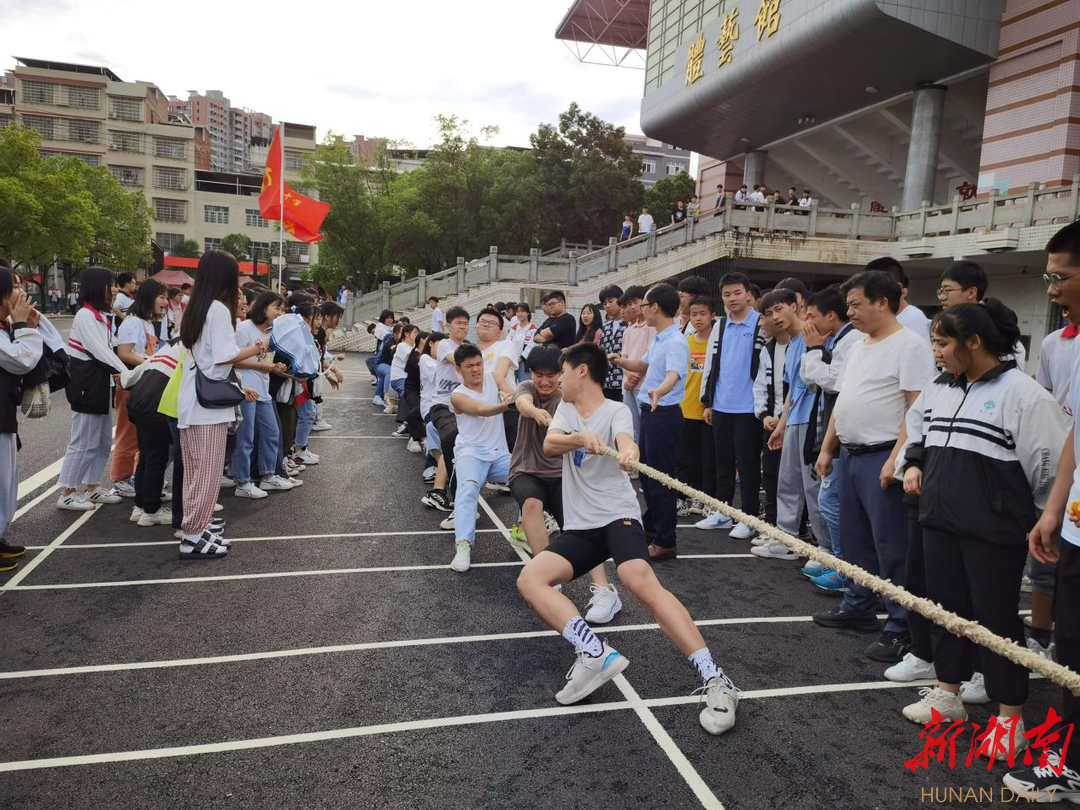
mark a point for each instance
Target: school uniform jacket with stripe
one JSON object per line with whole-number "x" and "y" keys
{"x": 988, "y": 451}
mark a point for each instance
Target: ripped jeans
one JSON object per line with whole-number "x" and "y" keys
{"x": 473, "y": 473}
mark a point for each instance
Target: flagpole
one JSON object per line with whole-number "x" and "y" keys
{"x": 281, "y": 209}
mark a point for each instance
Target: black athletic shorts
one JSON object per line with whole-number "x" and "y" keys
{"x": 546, "y": 490}
{"x": 584, "y": 549}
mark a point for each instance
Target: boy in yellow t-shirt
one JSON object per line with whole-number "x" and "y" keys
{"x": 696, "y": 466}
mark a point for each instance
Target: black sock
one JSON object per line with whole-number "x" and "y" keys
{"x": 1040, "y": 635}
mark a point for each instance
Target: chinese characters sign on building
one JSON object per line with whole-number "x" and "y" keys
{"x": 729, "y": 33}
{"x": 693, "y": 60}
{"x": 768, "y": 18}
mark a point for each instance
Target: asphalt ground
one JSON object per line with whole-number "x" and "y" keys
{"x": 333, "y": 660}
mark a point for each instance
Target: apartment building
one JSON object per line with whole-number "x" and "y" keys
{"x": 231, "y": 129}
{"x": 658, "y": 159}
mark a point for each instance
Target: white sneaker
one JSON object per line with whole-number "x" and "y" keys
{"x": 296, "y": 482}
{"x": 589, "y": 674}
{"x": 306, "y": 457}
{"x": 774, "y": 551}
{"x": 683, "y": 508}
{"x": 447, "y": 524}
{"x": 123, "y": 488}
{"x": 603, "y": 606}
{"x": 495, "y": 486}
{"x": 74, "y": 502}
{"x": 391, "y": 407}
{"x": 162, "y": 517}
{"x": 1025, "y": 584}
{"x": 413, "y": 446}
{"x": 551, "y": 524}
{"x": 249, "y": 490}
{"x": 910, "y": 668}
{"x": 741, "y": 532}
{"x": 1017, "y": 743}
{"x": 218, "y": 507}
{"x": 320, "y": 426}
{"x": 721, "y": 699}
{"x": 760, "y": 540}
{"x": 974, "y": 691}
{"x": 226, "y": 483}
{"x": 100, "y": 495}
{"x": 462, "y": 556}
{"x": 274, "y": 482}
{"x": 698, "y": 508}
{"x": 136, "y": 513}
{"x": 1039, "y": 649}
{"x": 948, "y": 705}
{"x": 378, "y": 402}
{"x": 714, "y": 520}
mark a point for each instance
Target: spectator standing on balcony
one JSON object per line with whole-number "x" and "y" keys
{"x": 777, "y": 197}
{"x": 645, "y": 222}
{"x": 719, "y": 197}
{"x": 792, "y": 196}
{"x": 805, "y": 201}
{"x": 678, "y": 215}
{"x": 910, "y": 316}
{"x": 694, "y": 209}
{"x": 627, "y": 228}
{"x": 742, "y": 195}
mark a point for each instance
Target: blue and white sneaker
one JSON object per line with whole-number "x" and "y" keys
{"x": 715, "y": 520}
{"x": 589, "y": 674}
{"x": 378, "y": 402}
{"x": 829, "y": 580}
{"x": 812, "y": 569}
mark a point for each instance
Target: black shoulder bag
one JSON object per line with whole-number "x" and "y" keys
{"x": 213, "y": 393}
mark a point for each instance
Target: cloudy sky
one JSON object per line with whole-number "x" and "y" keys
{"x": 361, "y": 67}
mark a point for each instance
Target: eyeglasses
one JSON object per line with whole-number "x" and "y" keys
{"x": 1054, "y": 280}
{"x": 487, "y": 323}
{"x": 945, "y": 292}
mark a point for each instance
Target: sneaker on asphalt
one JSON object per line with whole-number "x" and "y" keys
{"x": 589, "y": 674}
{"x": 436, "y": 499}
{"x": 205, "y": 548}
{"x": 910, "y": 668}
{"x": 551, "y": 524}
{"x": 741, "y": 532}
{"x": 123, "y": 488}
{"x": 218, "y": 507}
{"x": 274, "y": 483}
{"x": 136, "y": 513}
{"x": 226, "y": 482}
{"x": 8, "y": 565}
{"x": 948, "y": 705}
{"x": 1025, "y": 584}
{"x": 462, "y": 556}
{"x": 10, "y": 550}
{"x": 447, "y": 524}
{"x": 249, "y": 490}
{"x": 890, "y": 647}
{"x": 1034, "y": 646}
{"x": 683, "y": 508}
{"x": 774, "y": 551}
{"x": 296, "y": 482}
{"x": 402, "y": 432}
{"x": 320, "y": 426}
{"x": 715, "y": 520}
{"x": 518, "y": 539}
{"x": 974, "y": 691}
{"x": 846, "y": 620}
{"x": 390, "y": 408}
{"x": 305, "y": 457}
{"x": 698, "y": 508}
{"x": 292, "y": 468}
{"x": 414, "y": 446}
{"x": 1013, "y": 739}
{"x": 721, "y": 699}
{"x": 603, "y": 606}
{"x": 429, "y": 474}
{"x": 495, "y": 486}
{"x": 830, "y": 581}
{"x": 812, "y": 569}
{"x": 378, "y": 402}
{"x": 162, "y": 517}
{"x": 760, "y": 540}
{"x": 1044, "y": 784}
{"x": 100, "y": 495}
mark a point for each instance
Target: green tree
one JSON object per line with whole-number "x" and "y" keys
{"x": 122, "y": 223}
{"x": 186, "y": 249}
{"x": 238, "y": 245}
{"x": 662, "y": 196}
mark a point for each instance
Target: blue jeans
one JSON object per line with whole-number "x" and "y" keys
{"x": 399, "y": 387}
{"x": 370, "y": 362}
{"x": 265, "y": 415}
{"x": 472, "y": 473}
{"x": 305, "y": 418}
{"x": 829, "y": 504}
{"x": 382, "y": 374}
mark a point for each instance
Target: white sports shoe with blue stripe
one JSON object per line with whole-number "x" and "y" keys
{"x": 588, "y": 674}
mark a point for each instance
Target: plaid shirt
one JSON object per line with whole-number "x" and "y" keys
{"x": 611, "y": 339}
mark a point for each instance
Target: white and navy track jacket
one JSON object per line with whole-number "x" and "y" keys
{"x": 91, "y": 337}
{"x": 988, "y": 451}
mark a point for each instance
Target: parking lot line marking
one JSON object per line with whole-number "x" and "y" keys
{"x": 346, "y": 535}
{"x": 24, "y": 509}
{"x": 24, "y": 570}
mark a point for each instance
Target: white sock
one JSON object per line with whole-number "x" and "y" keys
{"x": 706, "y": 667}
{"x": 578, "y": 633}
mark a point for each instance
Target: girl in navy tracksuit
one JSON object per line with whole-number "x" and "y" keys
{"x": 983, "y": 442}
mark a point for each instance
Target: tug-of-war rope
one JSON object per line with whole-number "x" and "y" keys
{"x": 957, "y": 625}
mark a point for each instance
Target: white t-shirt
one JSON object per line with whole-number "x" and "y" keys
{"x": 1069, "y": 530}
{"x": 481, "y": 437}
{"x": 595, "y": 491}
{"x": 135, "y": 330}
{"x": 1055, "y": 365}
{"x": 436, "y": 319}
{"x": 382, "y": 330}
{"x": 446, "y": 376}
{"x": 914, "y": 319}
{"x": 498, "y": 350}
{"x": 427, "y": 383}
{"x": 397, "y": 363}
{"x": 871, "y": 405}
{"x": 123, "y": 302}
{"x": 246, "y": 335}
{"x": 645, "y": 223}
{"x": 216, "y": 344}
{"x": 1019, "y": 355}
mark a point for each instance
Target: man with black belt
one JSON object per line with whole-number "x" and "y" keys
{"x": 883, "y": 375}
{"x": 665, "y": 366}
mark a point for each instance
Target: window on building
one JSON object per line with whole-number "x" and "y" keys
{"x": 261, "y": 251}
{"x": 170, "y": 210}
{"x": 83, "y": 98}
{"x": 37, "y": 92}
{"x": 169, "y": 148}
{"x": 168, "y": 241}
{"x": 128, "y": 175}
{"x": 45, "y": 126}
{"x": 649, "y": 167}
{"x": 83, "y": 131}
{"x": 125, "y": 141}
{"x": 169, "y": 177}
{"x": 674, "y": 168}
{"x": 125, "y": 109}
{"x": 294, "y": 160}
{"x": 297, "y": 252}
{"x": 5, "y": 119}
{"x": 89, "y": 160}
{"x": 216, "y": 214}
{"x": 253, "y": 219}
{"x": 211, "y": 244}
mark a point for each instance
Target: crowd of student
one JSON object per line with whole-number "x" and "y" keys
{"x": 646, "y": 223}
{"x": 917, "y": 449}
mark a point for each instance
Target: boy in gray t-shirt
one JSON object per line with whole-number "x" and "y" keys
{"x": 602, "y": 520}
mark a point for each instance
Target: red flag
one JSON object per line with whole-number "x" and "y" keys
{"x": 270, "y": 193}
{"x": 303, "y": 215}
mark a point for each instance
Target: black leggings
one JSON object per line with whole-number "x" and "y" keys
{"x": 155, "y": 441}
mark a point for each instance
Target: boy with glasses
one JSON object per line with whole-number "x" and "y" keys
{"x": 966, "y": 283}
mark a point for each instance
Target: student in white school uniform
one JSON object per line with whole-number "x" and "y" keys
{"x": 1055, "y": 361}
{"x": 92, "y": 366}
{"x": 209, "y": 338}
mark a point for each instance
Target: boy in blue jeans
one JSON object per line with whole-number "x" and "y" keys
{"x": 480, "y": 452}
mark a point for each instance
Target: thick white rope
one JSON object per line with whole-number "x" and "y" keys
{"x": 958, "y": 626}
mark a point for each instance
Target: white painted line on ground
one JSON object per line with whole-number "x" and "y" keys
{"x": 667, "y": 745}
{"x": 135, "y": 544}
{"x": 502, "y": 528}
{"x": 48, "y": 493}
{"x": 40, "y": 478}
{"x": 317, "y": 436}
{"x": 66, "y": 586}
{"x": 24, "y": 570}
